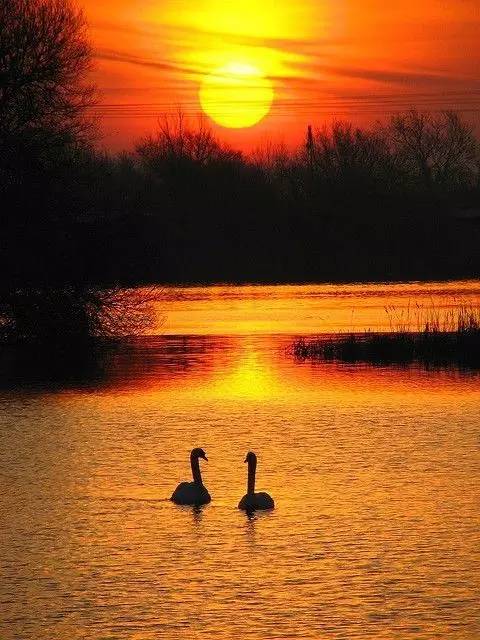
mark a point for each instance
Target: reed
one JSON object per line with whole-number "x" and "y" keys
{"x": 443, "y": 338}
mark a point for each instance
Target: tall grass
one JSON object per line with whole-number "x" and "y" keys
{"x": 433, "y": 319}
{"x": 442, "y": 338}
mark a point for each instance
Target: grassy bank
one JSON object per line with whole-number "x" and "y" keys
{"x": 448, "y": 339}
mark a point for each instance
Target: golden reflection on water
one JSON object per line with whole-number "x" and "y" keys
{"x": 307, "y": 309}
{"x": 373, "y": 470}
{"x": 243, "y": 368}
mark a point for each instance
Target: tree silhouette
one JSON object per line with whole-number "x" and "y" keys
{"x": 52, "y": 289}
{"x": 44, "y": 57}
{"x": 435, "y": 152}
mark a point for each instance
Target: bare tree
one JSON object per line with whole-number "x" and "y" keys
{"x": 44, "y": 58}
{"x": 76, "y": 314}
{"x": 435, "y": 150}
{"x": 178, "y": 142}
{"x": 273, "y": 158}
{"x": 343, "y": 151}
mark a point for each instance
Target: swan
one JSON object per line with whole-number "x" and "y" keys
{"x": 192, "y": 493}
{"x": 252, "y": 501}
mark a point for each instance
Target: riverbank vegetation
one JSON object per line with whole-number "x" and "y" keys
{"x": 398, "y": 200}
{"x": 446, "y": 339}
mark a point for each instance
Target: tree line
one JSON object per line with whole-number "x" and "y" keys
{"x": 398, "y": 200}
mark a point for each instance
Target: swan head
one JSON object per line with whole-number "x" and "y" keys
{"x": 199, "y": 453}
{"x": 251, "y": 457}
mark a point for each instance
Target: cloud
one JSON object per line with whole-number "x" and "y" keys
{"x": 159, "y": 65}
{"x": 389, "y": 76}
{"x": 190, "y": 37}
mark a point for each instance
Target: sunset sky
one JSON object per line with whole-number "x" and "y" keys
{"x": 305, "y": 61}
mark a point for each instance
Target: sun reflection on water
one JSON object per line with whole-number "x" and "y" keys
{"x": 251, "y": 377}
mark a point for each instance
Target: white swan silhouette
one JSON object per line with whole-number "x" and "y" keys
{"x": 252, "y": 501}
{"x": 192, "y": 493}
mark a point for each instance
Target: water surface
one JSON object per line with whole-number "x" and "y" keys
{"x": 374, "y": 472}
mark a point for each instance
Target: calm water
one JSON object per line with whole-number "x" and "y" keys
{"x": 374, "y": 471}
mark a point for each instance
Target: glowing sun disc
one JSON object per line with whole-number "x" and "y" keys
{"x": 236, "y": 96}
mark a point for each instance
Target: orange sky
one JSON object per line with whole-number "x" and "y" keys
{"x": 354, "y": 59}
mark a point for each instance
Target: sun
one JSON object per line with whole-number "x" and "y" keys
{"x": 237, "y": 95}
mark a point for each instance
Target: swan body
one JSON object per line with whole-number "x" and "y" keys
{"x": 252, "y": 501}
{"x": 189, "y": 493}
{"x": 256, "y": 502}
{"x": 193, "y": 493}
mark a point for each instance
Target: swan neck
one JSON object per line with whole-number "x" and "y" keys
{"x": 252, "y": 468}
{"x": 197, "y": 476}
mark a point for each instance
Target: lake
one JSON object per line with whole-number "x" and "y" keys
{"x": 374, "y": 471}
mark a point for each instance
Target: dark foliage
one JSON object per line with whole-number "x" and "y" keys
{"x": 351, "y": 205}
{"x": 73, "y": 314}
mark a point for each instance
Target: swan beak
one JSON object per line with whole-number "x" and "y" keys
{"x": 246, "y": 460}
{"x": 205, "y": 458}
